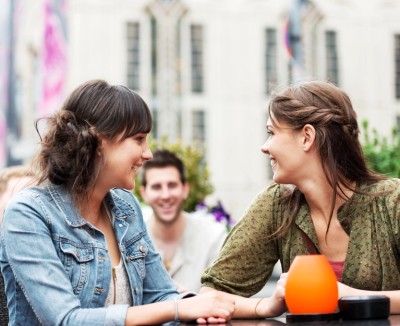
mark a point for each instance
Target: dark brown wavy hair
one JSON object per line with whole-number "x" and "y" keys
{"x": 69, "y": 153}
{"x": 329, "y": 110}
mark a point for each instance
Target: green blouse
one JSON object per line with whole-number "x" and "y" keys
{"x": 247, "y": 258}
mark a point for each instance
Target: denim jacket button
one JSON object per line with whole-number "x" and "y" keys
{"x": 120, "y": 225}
{"x": 98, "y": 290}
{"x": 142, "y": 248}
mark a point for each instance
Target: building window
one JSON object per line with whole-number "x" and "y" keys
{"x": 133, "y": 55}
{"x": 196, "y": 37}
{"x": 397, "y": 65}
{"x": 332, "y": 65}
{"x": 199, "y": 128}
{"x": 154, "y": 129}
{"x": 154, "y": 66}
{"x": 271, "y": 71}
{"x": 290, "y": 71}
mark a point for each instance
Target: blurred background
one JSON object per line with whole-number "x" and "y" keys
{"x": 205, "y": 67}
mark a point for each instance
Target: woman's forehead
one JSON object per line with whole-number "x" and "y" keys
{"x": 273, "y": 122}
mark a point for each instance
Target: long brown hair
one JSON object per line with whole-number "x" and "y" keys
{"x": 70, "y": 147}
{"x": 329, "y": 110}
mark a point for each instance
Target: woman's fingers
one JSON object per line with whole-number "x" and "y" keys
{"x": 213, "y": 307}
{"x": 201, "y": 321}
{"x": 215, "y": 320}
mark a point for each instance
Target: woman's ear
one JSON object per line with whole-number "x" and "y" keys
{"x": 103, "y": 142}
{"x": 308, "y": 133}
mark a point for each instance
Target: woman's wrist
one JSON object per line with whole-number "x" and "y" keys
{"x": 256, "y": 308}
{"x": 270, "y": 307}
{"x": 176, "y": 310}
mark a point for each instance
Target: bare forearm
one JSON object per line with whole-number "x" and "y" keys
{"x": 394, "y": 296}
{"x": 255, "y": 307}
{"x": 151, "y": 314}
{"x": 214, "y": 307}
{"x": 249, "y": 308}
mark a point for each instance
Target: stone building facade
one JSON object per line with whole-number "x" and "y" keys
{"x": 207, "y": 67}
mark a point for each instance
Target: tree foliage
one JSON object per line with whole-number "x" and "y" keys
{"x": 197, "y": 173}
{"x": 382, "y": 153}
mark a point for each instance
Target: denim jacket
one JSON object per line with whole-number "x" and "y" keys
{"x": 56, "y": 266}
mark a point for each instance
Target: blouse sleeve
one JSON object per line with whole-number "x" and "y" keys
{"x": 393, "y": 205}
{"x": 247, "y": 257}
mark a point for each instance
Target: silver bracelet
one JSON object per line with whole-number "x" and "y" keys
{"x": 176, "y": 309}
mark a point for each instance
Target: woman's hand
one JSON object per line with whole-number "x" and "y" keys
{"x": 275, "y": 305}
{"x": 212, "y": 307}
{"x": 394, "y": 296}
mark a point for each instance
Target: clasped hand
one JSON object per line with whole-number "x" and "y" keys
{"x": 213, "y": 307}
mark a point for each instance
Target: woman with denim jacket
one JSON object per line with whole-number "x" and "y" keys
{"x": 74, "y": 249}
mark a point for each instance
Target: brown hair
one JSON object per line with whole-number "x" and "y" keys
{"x": 164, "y": 158}
{"x": 70, "y": 147}
{"x": 329, "y": 110}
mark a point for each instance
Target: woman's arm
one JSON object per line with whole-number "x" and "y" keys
{"x": 248, "y": 256}
{"x": 244, "y": 307}
{"x": 30, "y": 262}
{"x": 394, "y": 296}
{"x": 273, "y": 306}
{"x": 35, "y": 265}
{"x": 213, "y": 307}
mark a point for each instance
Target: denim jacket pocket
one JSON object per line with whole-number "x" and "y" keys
{"x": 76, "y": 259}
{"x": 136, "y": 253}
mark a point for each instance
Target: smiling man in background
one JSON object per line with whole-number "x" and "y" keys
{"x": 187, "y": 242}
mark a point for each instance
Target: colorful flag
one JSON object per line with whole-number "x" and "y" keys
{"x": 54, "y": 56}
{"x": 287, "y": 38}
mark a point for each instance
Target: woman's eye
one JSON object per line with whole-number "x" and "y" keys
{"x": 139, "y": 139}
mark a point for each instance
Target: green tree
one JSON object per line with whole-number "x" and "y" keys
{"x": 197, "y": 173}
{"x": 382, "y": 153}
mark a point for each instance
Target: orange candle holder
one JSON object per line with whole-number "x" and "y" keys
{"x": 311, "y": 286}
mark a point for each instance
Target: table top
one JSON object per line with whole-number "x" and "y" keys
{"x": 282, "y": 321}
{"x": 392, "y": 320}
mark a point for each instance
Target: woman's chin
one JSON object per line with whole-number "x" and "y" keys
{"x": 280, "y": 179}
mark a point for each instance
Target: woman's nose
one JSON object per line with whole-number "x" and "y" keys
{"x": 264, "y": 148}
{"x": 147, "y": 154}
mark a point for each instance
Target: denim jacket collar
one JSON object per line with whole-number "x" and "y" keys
{"x": 64, "y": 201}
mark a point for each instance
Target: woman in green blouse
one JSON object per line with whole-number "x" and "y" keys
{"x": 323, "y": 199}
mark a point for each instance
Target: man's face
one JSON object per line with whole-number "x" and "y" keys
{"x": 165, "y": 193}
